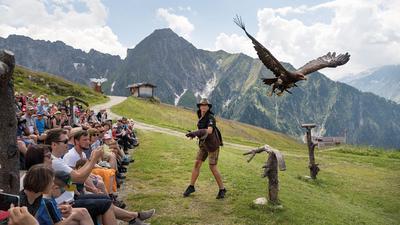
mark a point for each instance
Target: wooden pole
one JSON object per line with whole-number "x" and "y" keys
{"x": 275, "y": 158}
{"x": 311, "y": 145}
{"x": 9, "y": 150}
{"x": 71, "y": 100}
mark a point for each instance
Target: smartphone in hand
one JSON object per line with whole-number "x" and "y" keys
{"x": 5, "y": 202}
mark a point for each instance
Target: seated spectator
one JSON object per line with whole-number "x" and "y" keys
{"x": 22, "y": 129}
{"x": 65, "y": 119}
{"x": 108, "y": 178}
{"x": 59, "y": 122}
{"x": 40, "y": 154}
{"x": 36, "y": 102}
{"x": 75, "y": 120}
{"x": 95, "y": 204}
{"x": 29, "y": 95}
{"x": 40, "y": 123}
{"x": 56, "y": 122}
{"x": 114, "y": 132}
{"x": 54, "y": 109}
{"x": 49, "y": 212}
{"x": 96, "y": 141}
{"x": 129, "y": 125}
{"x": 96, "y": 185}
{"x": 18, "y": 104}
{"x": 82, "y": 122}
{"x": 43, "y": 109}
{"x": 117, "y": 150}
{"x": 46, "y": 100}
{"x": 22, "y": 99}
{"x": 31, "y": 123}
{"x": 106, "y": 125}
{"x": 120, "y": 133}
{"x": 38, "y": 181}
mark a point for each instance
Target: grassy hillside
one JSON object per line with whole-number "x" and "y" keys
{"x": 179, "y": 119}
{"x": 55, "y": 87}
{"x": 354, "y": 186}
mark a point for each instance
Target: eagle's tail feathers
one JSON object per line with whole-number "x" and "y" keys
{"x": 269, "y": 81}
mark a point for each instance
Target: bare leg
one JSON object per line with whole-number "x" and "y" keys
{"x": 195, "y": 172}
{"x": 124, "y": 215}
{"x": 34, "y": 138}
{"x": 82, "y": 217}
{"x": 111, "y": 185}
{"x": 42, "y": 137}
{"x": 217, "y": 176}
{"x": 22, "y": 147}
{"x": 109, "y": 217}
{"x": 113, "y": 162}
{"x": 100, "y": 185}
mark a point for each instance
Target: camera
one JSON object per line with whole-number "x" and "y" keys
{"x": 20, "y": 120}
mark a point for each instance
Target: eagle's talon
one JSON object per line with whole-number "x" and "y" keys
{"x": 279, "y": 94}
{"x": 271, "y": 93}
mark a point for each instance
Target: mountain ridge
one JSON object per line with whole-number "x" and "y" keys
{"x": 232, "y": 82}
{"x": 383, "y": 81}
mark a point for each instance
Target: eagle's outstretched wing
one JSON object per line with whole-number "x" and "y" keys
{"x": 327, "y": 60}
{"x": 265, "y": 56}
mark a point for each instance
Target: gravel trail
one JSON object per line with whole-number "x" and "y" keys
{"x": 115, "y": 100}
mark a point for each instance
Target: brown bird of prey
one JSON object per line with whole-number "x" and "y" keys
{"x": 285, "y": 79}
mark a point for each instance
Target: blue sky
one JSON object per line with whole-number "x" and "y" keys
{"x": 294, "y": 31}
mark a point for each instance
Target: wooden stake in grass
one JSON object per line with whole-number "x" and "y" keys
{"x": 311, "y": 145}
{"x": 275, "y": 158}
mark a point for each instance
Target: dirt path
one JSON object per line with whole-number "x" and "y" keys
{"x": 115, "y": 100}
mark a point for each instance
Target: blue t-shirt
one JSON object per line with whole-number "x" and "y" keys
{"x": 48, "y": 212}
{"x": 40, "y": 108}
{"x": 20, "y": 129}
{"x": 40, "y": 126}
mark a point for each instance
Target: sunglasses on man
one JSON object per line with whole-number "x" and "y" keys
{"x": 64, "y": 141}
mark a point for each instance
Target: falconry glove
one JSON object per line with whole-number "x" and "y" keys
{"x": 201, "y": 134}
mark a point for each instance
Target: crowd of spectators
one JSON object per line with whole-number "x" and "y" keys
{"x": 74, "y": 163}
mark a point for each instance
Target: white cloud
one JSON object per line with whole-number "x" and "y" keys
{"x": 183, "y": 8}
{"x": 58, "y": 20}
{"x": 368, "y": 30}
{"x": 179, "y": 24}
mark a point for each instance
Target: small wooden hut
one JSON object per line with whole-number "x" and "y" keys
{"x": 144, "y": 89}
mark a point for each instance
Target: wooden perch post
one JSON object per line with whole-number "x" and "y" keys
{"x": 275, "y": 158}
{"x": 71, "y": 106}
{"x": 311, "y": 145}
{"x": 9, "y": 150}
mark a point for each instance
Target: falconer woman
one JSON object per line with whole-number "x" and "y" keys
{"x": 210, "y": 140}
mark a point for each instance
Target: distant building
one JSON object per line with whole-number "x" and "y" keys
{"x": 323, "y": 142}
{"x": 142, "y": 89}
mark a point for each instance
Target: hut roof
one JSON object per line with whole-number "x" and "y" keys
{"x": 140, "y": 84}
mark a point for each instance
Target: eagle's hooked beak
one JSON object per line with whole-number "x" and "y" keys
{"x": 303, "y": 78}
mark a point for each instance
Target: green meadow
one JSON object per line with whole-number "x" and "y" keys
{"x": 356, "y": 185}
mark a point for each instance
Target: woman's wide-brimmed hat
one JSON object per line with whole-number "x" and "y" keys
{"x": 204, "y": 101}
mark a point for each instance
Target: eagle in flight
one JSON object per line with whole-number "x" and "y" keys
{"x": 285, "y": 79}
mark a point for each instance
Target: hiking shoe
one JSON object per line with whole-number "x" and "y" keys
{"x": 189, "y": 190}
{"x": 144, "y": 215}
{"x": 137, "y": 222}
{"x": 119, "y": 204}
{"x": 127, "y": 159}
{"x": 120, "y": 176}
{"x": 221, "y": 193}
